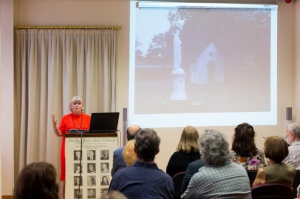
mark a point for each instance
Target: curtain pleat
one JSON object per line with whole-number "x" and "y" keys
{"x": 52, "y": 66}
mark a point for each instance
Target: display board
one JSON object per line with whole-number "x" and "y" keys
{"x": 88, "y": 164}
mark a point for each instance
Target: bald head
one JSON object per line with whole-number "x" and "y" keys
{"x": 131, "y": 131}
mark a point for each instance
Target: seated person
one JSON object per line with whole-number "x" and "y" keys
{"x": 118, "y": 161}
{"x": 187, "y": 151}
{"x": 219, "y": 178}
{"x": 276, "y": 149}
{"x": 128, "y": 153}
{"x": 143, "y": 179}
{"x": 244, "y": 151}
{"x": 191, "y": 169}
{"x": 37, "y": 180}
{"x": 293, "y": 139}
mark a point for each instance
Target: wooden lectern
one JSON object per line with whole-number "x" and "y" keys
{"x": 88, "y": 164}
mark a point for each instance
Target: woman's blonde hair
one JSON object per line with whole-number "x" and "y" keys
{"x": 189, "y": 140}
{"x": 76, "y": 99}
{"x": 129, "y": 154}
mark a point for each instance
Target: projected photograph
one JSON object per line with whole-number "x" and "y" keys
{"x": 202, "y": 60}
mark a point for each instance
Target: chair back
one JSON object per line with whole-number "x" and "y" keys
{"x": 296, "y": 183}
{"x": 177, "y": 181}
{"x": 252, "y": 176}
{"x": 272, "y": 191}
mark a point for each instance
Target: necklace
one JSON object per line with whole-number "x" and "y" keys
{"x": 80, "y": 122}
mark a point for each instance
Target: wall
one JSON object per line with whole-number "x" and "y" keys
{"x": 6, "y": 96}
{"x": 116, "y": 13}
{"x": 297, "y": 59}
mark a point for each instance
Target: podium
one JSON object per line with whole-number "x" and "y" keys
{"x": 89, "y": 159}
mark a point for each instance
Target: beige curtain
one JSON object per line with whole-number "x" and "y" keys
{"x": 52, "y": 66}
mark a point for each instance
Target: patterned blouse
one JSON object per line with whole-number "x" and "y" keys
{"x": 249, "y": 163}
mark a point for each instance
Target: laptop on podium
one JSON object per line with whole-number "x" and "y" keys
{"x": 104, "y": 122}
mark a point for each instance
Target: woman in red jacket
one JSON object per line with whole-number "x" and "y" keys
{"x": 75, "y": 120}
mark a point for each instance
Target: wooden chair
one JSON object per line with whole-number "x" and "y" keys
{"x": 177, "y": 181}
{"x": 272, "y": 191}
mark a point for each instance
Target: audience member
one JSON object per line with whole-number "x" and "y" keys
{"x": 143, "y": 179}
{"x": 37, "y": 180}
{"x": 129, "y": 154}
{"x": 293, "y": 139}
{"x": 244, "y": 151}
{"x": 118, "y": 161}
{"x": 191, "y": 169}
{"x": 219, "y": 178}
{"x": 114, "y": 195}
{"x": 276, "y": 149}
{"x": 187, "y": 151}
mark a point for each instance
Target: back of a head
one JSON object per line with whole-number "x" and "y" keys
{"x": 146, "y": 144}
{"x": 214, "y": 148}
{"x": 189, "y": 140}
{"x": 296, "y": 130}
{"x": 128, "y": 153}
{"x": 276, "y": 149}
{"x": 132, "y": 131}
{"x": 114, "y": 195}
{"x": 243, "y": 141}
{"x": 36, "y": 181}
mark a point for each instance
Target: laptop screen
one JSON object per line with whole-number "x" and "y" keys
{"x": 104, "y": 122}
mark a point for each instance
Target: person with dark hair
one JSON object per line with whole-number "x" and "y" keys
{"x": 219, "y": 178}
{"x": 75, "y": 120}
{"x": 143, "y": 179}
{"x": 37, "y": 180}
{"x": 187, "y": 151}
{"x": 118, "y": 160}
{"x": 293, "y": 139}
{"x": 244, "y": 151}
{"x": 276, "y": 150}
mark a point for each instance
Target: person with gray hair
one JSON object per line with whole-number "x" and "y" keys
{"x": 293, "y": 139}
{"x": 143, "y": 179}
{"x": 219, "y": 178}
